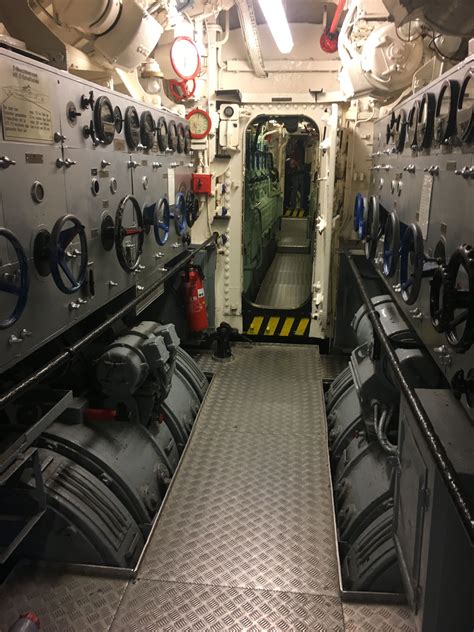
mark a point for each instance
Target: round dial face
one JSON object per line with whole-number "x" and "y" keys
{"x": 162, "y": 133}
{"x": 132, "y": 127}
{"x": 187, "y": 140}
{"x": 185, "y": 58}
{"x": 147, "y": 129}
{"x": 118, "y": 119}
{"x": 104, "y": 120}
{"x": 172, "y": 136}
{"x": 465, "y": 113}
{"x": 199, "y": 123}
{"x": 181, "y": 139}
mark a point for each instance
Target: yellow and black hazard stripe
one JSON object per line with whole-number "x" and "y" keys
{"x": 294, "y": 213}
{"x": 279, "y": 326}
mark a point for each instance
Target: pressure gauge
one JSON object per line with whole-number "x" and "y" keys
{"x": 172, "y": 136}
{"x": 132, "y": 127}
{"x": 162, "y": 133}
{"x": 200, "y": 123}
{"x": 181, "y": 138}
{"x": 147, "y": 129}
{"x": 187, "y": 140}
{"x": 104, "y": 120}
{"x": 118, "y": 119}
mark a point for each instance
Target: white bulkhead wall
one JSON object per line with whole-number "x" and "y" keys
{"x": 297, "y": 76}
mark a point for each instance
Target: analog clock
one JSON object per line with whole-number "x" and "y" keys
{"x": 200, "y": 123}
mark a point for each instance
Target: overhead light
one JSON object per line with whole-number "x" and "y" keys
{"x": 278, "y": 24}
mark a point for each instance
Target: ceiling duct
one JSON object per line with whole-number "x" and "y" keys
{"x": 248, "y": 24}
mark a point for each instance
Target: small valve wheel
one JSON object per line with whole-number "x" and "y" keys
{"x": 438, "y": 300}
{"x": 460, "y": 298}
{"x": 180, "y": 212}
{"x": 20, "y": 290}
{"x": 373, "y": 227}
{"x": 158, "y": 216}
{"x": 62, "y": 262}
{"x": 192, "y": 208}
{"x": 414, "y": 264}
{"x": 391, "y": 245}
{"x": 129, "y": 240}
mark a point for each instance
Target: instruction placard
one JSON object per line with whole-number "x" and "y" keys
{"x": 171, "y": 186}
{"x": 425, "y": 204}
{"x": 25, "y": 103}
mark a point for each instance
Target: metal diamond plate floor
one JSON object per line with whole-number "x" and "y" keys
{"x": 287, "y": 283}
{"x": 245, "y": 540}
{"x": 64, "y": 602}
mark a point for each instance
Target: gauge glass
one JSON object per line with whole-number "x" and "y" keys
{"x": 172, "y": 136}
{"x": 147, "y": 129}
{"x": 181, "y": 138}
{"x": 162, "y": 133}
{"x": 104, "y": 120}
{"x": 199, "y": 123}
{"x": 132, "y": 127}
{"x": 185, "y": 58}
{"x": 118, "y": 119}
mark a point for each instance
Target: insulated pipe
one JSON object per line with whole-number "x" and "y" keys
{"x": 62, "y": 358}
{"x": 422, "y": 419}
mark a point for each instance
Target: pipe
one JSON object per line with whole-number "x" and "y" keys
{"x": 380, "y": 424}
{"x": 423, "y": 421}
{"x": 9, "y": 395}
{"x": 337, "y": 16}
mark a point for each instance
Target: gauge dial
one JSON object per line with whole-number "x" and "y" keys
{"x": 401, "y": 131}
{"x": 147, "y": 129}
{"x": 200, "y": 123}
{"x": 172, "y": 136}
{"x": 445, "y": 118}
{"x": 181, "y": 138}
{"x": 412, "y": 126}
{"x": 162, "y": 133}
{"x": 118, "y": 119}
{"x": 104, "y": 120}
{"x": 132, "y": 127}
{"x": 187, "y": 140}
{"x": 465, "y": 113}
{"x": 185, "y": 58}
{"x": 426, "y": 120}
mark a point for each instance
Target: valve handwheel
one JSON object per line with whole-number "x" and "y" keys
{"x": 415, "y": 265}
{"x": 66, "y": 279}
{"x": 20, "y": 290}
{"x": 358, "y": 210}
{"x": 373, "y": 227}
{"x": 460, "y": 298}
{"x": 158, "y": 216}
{"x": 440, "y": 287}
{"x": 180, "y": 213}
{"x": 129, "y": 251}
{"x": 192, "y": 208}
{"x": 391, "y": 245}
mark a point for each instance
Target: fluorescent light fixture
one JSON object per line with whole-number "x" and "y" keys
{"x": 278, "y": 24}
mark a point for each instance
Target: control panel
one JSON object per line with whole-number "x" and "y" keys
{"x": 417, "y": 222}
{"x": 95, "y": 200}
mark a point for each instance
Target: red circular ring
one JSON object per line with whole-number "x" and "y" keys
{"x": 188, "y": 39}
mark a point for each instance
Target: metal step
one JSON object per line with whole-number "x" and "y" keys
{"x": 287, "y": 283}
{"x": 294, "y": 235}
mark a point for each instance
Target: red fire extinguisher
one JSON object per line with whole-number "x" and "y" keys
{"x": 195, "y": 299}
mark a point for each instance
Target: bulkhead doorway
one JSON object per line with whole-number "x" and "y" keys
{"x": 280, "y": 208}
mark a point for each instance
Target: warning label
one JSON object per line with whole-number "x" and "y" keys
{"x": 25, "y": 103}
